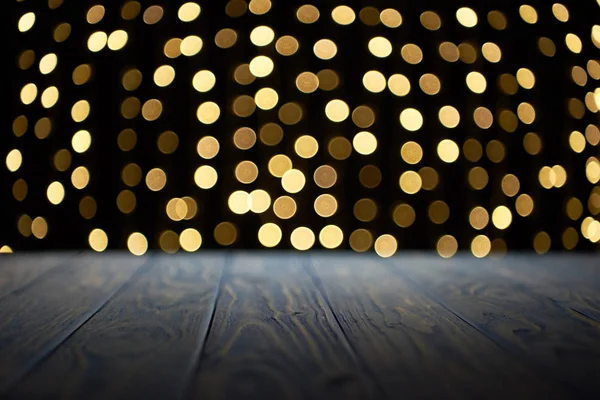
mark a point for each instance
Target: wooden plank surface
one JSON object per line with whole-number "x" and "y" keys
{"x": 143, "y": 344}
{"x": 414, "y": 346}
{"x": 273, "y": 336}
{"x": 527, "y": 323}
{"x": 571, "y": 280}
{"x": 36, "y": 319}
{"x": 17, "y": 271}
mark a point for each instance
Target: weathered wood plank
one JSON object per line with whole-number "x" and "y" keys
{"x": 19, "y": 270}
{"x": 36, "y": 319}
{"x": 572, "y": 280}
{"x": 143, "y": 344}
{"x": 273, "y": 336}
{"x": 528, "y": 324}
{"x": 412, "y": 345}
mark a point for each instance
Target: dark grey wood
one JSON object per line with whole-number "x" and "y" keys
{"x": 274, "y": 337}
{"x": 143, "y": 344}
{"x": 35, "y": 319}
{"x": 528, "y": 323}
{"x": 19, "y": 270}
{"x": 413, "y": 346}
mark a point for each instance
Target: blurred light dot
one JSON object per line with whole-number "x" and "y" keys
{"x": 491, "y": 52}
{"x": 191, "y": 45}
{"x": 287, "y": 45}
{"x": 361, "y": 240}
{"x": 80, "y": 111}
{"x": 97, "y": 41}
{"x": 541, "y": 242}
{"x": 39, "y": 228}
{"x": 239, "y": 202}
{"x": 26, "y": 22}
{"x": 449, "y": 51}
{"x": 117, "y": 40}
{"x": 404, "y": 215}
{"x": 14, "y": 159}
{"x": 340, "y": 148}
{"x": 130, "y": 10}
{"x": 284, "y": 207}
{"x": 328, "y": 79}
{"x": 188, "y": 12}
{"x": 374, "y": 81}
{"x": 302, "y": 238}
{"x": 573, "y": 43}
{"x": 95, "y": 14}
{"x": 81, "y": 141}
{"x": 164, "y": 75}
{"x": 325, "y": 49}
{"x": 172, "y": 48}
{"x": 331, "y": 236}
{"x": 279, "y": 164}
{"x": 547, "y": 46}
{"x": 246, "y": 172}
{"x": 324, "y": 176}
{"x": 88, "y": 207}
{"x": 510, "y": 185}
{"x": 524, "y": 205}
{"x": 495, "y": 151}
{"x": 293, "y": 181}
{"x": 501, "y": 217}
{"x": 28, "y": 93}
{"x": 48, "y": 63}
{"x": 399, "y": 85}
{"x": 466, "y": 17}
{"x": 205, "y": 177}
{"x": 271, "y": 134}
{"x": 386, "y": 246}
{"x": 127, "y": 139}
{"x": 472, "y": 150}
{"x": 167, "y": 142}
{"x": 410, "y": 182}
{"x": 483, "y": 117}
{"x": 430, "y": 84}
{"x": 137, "y": 244}
{"x": 307, "y": 14}
{"x": 307, "y": 82}
{"x": 98, "y": 240}
{"x": 411, "y": 119}
{"x": 438, "y": 212}
{"x": 55, "y": 193}
{"x": 62, "y": 32}
{"x": 478, "y": 178}
{"x": 49, "y": 97}
{"x": 262, "y": 35}
{"x": 467, "y": 53}
{"x": 237, "y": 8}
{"x": 447, "y": 246}
{"x": 260, "y": 201}
{"x": 363, "y": 116}
{"x": 449, "y": 116}
{"x": 479, "y": 218}
{"x": 24, "y": 225}
{"x": 153, "y": 15}
{"x": 476, "y": 82}
{"x": 226, "y": 38}
{"x": 570, "y": 238}
{"x": 411, "y": 53}
{"x": 176, "y": 209}
{"x": 290, "y": 113}
{"x": 208, "y": 112}
{"x": 430, "y": 20}
{"x": 266, "y": 98}
{"x": 306, "y": 146}
{"x": 391, "y": 18}
{"x": 244, "y": 138}
{"x": 325, "y": 205}
{"x": 526, "y": 78}
{"x": 411, "y": 152}
{"x": 364, "y": 143}
{"x": 448, "y": 151}
{"x": 20, "y": 190}
{"x": 429, "y": 177}
{"x": 532, "y": 143}
{"x": 380, "y": 47}
{"x": 190, "y": 240}
{"x": 560, "y": 12}
{"x": 126, "y": 201}
{"x": 82, "y": 74}
{"x": 152, "y": 109}
{"x": 343, "y": 15}
{"x": 225, "y": 233}
{"x": 481, "y": 246}
{"x": 528, "y": 14}
{"x": 169, "y": 242}
{"x": 337, "y": 110}
{"x": 269, "y": 235}
{"x": 369, "y": 16}
{"x": 156, "y": 179}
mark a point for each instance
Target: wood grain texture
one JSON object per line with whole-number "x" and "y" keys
{"x": 527, "y": 323}
{"x": 273, "y": 336}
{"x": 143, "y": 344}
{"x": 17, "y": 271}
{"x": 571, "y": 280}
{"x": 411, "y": 344}
{"x": 36, "y": 319}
